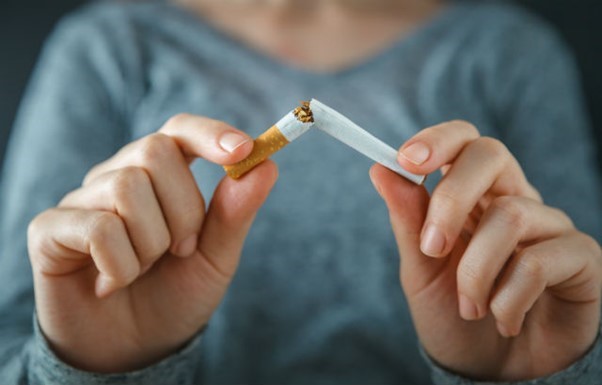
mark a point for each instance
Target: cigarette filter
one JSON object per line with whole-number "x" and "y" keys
{"x": 289, "y": 128}
{"x": 341, "y": 128}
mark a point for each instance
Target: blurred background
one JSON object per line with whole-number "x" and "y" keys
{"x": 25, "y": 24}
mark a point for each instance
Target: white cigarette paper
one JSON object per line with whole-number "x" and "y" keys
{"x": 341, "y": 128}
{"x": 291, "y": 127}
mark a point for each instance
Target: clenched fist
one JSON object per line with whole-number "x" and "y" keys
{"x": 131, "y": 266}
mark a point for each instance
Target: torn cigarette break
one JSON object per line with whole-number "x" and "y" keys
{"x": 304, "y": 113}
{"x": 289, "y": 128}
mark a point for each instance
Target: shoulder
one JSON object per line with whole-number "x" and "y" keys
{"x": 508, "y": 49}
{"x": 118, "y": 29}
{"x": 503, "y": 28}
{"x": 100, "y": 23}
{"x": 102, "y": 45}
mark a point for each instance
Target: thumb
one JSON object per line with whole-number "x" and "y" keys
{"x": 231, "y": 213}
{"x": 407, "y": 204}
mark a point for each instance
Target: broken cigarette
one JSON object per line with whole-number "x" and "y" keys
{"x": 343, "y": 129}
{"x": 300, "y": 120}
{"x": 290, "y": 127}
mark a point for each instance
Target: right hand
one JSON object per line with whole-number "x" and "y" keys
{"x": 129, "y": 267}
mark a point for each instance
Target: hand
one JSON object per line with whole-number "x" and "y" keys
{"x": 130, "y": 266}
{"x": 500, "y": 286}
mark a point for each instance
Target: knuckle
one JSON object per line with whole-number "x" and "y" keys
{"x": 128, "y": 181}
{"x": 88, "y": 177}
{"x": 213, "y": 125}
{"x": 501, "y": 309}
{"x": 562, "y": 217}
{"x": 447, "y": 199}
{"x": 163, "y": 243}
{"x": 493, "y": 147}
{"x": 467, "y": 126}
{"x": 129, "y": 275}
{"x": 194, "y": 213}
{"x": 532, "y": 192}
{"x": 594, "y": 251}
{"x": 189, "y": 212}
{"x": 92, "y": 173}
{"x": 509, "y": 210}
{"x": 104, "y": 227}
{"x": 178, "y": 120}
{"x": 530, "y": 266}
{"x": 126, "y": 276}
{"x": 470, "y": 279}
{"x": 591, "y": 246}
{"x": 36, "y": 241}
{"x": 103, "y": 231}
{"x": 156, "y": 147}
{"x": 67, "y": 199}
{"x": 158, "y": 245}
{"x": 35, "y": 226}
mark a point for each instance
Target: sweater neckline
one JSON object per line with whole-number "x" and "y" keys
{"x": 399, "y": 46}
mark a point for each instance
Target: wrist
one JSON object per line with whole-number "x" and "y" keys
{"x": 584, "y": 369}
{"x": 47, "y": 367}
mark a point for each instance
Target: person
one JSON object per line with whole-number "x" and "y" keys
{"x": 135, "y": 247}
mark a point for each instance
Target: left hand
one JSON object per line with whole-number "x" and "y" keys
{"x": 500, "y": 286}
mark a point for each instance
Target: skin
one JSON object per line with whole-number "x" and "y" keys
{"x": 507, "y": 278}
{"x": 301, "y": 33}
{"x": 132, "y": 259}
{"x": 130, "y": 266}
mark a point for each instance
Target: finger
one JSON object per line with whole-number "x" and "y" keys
{"x": 436, "y": 146}
{"x": 567, "y": 265}
{"x": 63, "y": 241}
{"x": 194, "y": 136}
{"x": 407, "y": 204}
{"x": 507, "y": 222}
{"x": 128, "y": 192}
{"x": 174, "y": 185}
{"x": 210, "y": 139}
{"x": 485, "y": 165}
{"x": 232, "y": 210}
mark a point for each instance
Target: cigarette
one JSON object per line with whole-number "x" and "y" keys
{"x": 341, "y": 128}
{"x": 314, "y": 113}
{"x": 290, "y": 127}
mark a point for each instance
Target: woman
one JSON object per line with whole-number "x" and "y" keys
{"x": 135, "y": 282}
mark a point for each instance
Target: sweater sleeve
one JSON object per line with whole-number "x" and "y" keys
{"x": 49, "y": 369}
{"x": 73, "y": 116}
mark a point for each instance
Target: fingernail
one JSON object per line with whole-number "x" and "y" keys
{"x": 104, "y": 285}
{"x": 187, "y": 246}
{"x": 504, "y": 332}
{"x": 433, "y": 241}
{"x": 468, "y": 310}
{"x": 416, "y": 153}
{"x": 230, "y": 141}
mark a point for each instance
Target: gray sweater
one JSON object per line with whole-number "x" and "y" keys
{"x": 317, "y": 297}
